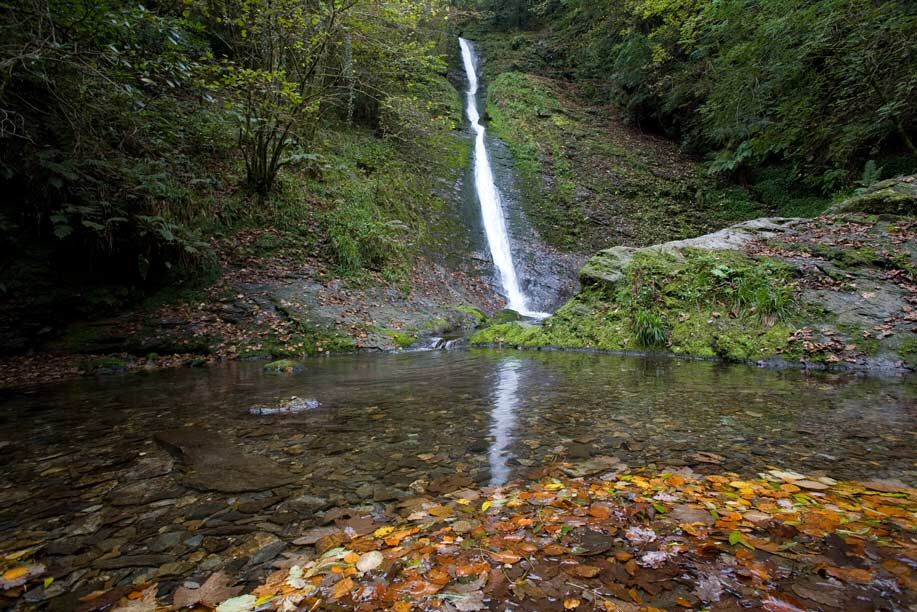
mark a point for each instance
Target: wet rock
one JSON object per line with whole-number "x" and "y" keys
{"x": 144, "y": 492}
{"x": 213, "y": 463}
{"x": 383, "y": 494}
{"x": 684, "y": 513}
{"x": 579, "y": 451}
{"x": 257, "y": 505}
{"x": 132, "y": 561}
{"x": 200, "y": 511}
{"x": 213, "y": 544}
{"x": 588, "y": 542}
{"x": 167, "y": 540}
{"x": 310, "y": 503}
{"x": 602, "y": 463}
{"x": 291, "y": 406}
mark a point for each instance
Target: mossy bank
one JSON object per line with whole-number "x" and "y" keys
{"x": 834, "y": 291}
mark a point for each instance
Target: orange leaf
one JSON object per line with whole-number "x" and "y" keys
{"x": 850, "y": 574}
{"x": 599, "y": 511}
{"x": 505, "y": 557}
{"x": 571, "y": 603}
{"x": 351, "y": 558}
{"x": 554, "y": 550}
{"x": 586, "y": 571}
{"x": 341, "y": 588}
{"x": 472, "y": 569}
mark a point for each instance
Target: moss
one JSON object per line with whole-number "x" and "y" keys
{"x": 514, "y": 334}
{"x": 105, "y": 365}
{"x": 475, "y": 313}
{"x": 699, "y": 303}
{"x": 400, "y": 338}
{"x": 282, "y": 366}
{"x": 908, "y": 351}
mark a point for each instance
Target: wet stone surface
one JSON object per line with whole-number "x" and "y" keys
{"x": 166, "y": 478}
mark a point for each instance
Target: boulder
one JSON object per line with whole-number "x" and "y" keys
{"x": 607, "y": 267}
{"x": 897, "y": 196}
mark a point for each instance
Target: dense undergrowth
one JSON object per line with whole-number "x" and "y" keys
{"x": 128, "y": 131}
{"x": 787, "y": 98}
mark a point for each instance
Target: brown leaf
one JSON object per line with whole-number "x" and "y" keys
{"x": 505, "y": 556}
{"x": 849, "y": 574}
{"x": 586, "y": 571}
{"x": 341, "y": 588}
{"x": 212, "y": 593}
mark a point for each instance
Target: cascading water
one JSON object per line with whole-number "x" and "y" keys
{"x": 489, "y": 197}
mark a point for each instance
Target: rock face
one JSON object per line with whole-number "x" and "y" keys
{"x": 213, "y": 463}
{"x": 897, "y": 196}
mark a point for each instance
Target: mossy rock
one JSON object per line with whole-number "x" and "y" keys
{"x": 284, "y": 366}
{"x": 606, "y": 267}
{"x": 476, "y": 314}
{"x": 505, "y": 316}
{"x": 897, "y": 196}
{"x": 105, "y": 365}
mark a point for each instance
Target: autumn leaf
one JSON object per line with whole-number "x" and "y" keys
{"x": 505, "y": 557}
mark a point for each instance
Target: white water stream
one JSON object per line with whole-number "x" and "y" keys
{"x": 489, "y": 197}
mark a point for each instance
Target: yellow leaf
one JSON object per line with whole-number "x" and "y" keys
{"x": 381, "y": 532}
{"x": 571, "y": 603}
{"x": 16, "y": 572}
{"x": 351, "y": 557}
{"x": 486, "y": 505}
{"x": 49, "y": 581}
{"x": 464, "y": 502}
{"x": 554, "y": 486}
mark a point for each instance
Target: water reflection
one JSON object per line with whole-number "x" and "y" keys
{"x": 504, "y": 420}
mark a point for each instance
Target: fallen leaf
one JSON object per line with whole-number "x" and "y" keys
{"x": 214, "y": 590}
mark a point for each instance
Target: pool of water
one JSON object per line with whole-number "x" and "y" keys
{"x": 84, "y": 478}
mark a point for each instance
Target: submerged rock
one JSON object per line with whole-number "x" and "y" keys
{"x": 291, "y": 406}
{"x": 214, "y": 463}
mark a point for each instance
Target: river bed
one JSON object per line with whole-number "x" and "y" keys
{"x": 164, "y": 475}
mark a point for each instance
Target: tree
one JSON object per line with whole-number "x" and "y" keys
{"x": 281, "y": 69}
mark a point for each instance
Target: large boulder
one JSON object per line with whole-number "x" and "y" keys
{"x": 607, "y": 267}
{"x": 897, "y": 196}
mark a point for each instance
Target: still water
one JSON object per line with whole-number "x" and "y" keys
{"x": 84, "y": 477}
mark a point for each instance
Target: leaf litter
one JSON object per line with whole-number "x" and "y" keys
{"x": 641, "y": 540}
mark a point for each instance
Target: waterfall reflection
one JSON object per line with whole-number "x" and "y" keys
{"x": 504, "y": 420}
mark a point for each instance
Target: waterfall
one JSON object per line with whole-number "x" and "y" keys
{"x": 489, "y": 197}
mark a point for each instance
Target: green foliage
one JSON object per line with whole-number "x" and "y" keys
{"x": 649, "y": 329}
{"x": 819, "y": 87}
{"x": 123, "y": 127}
